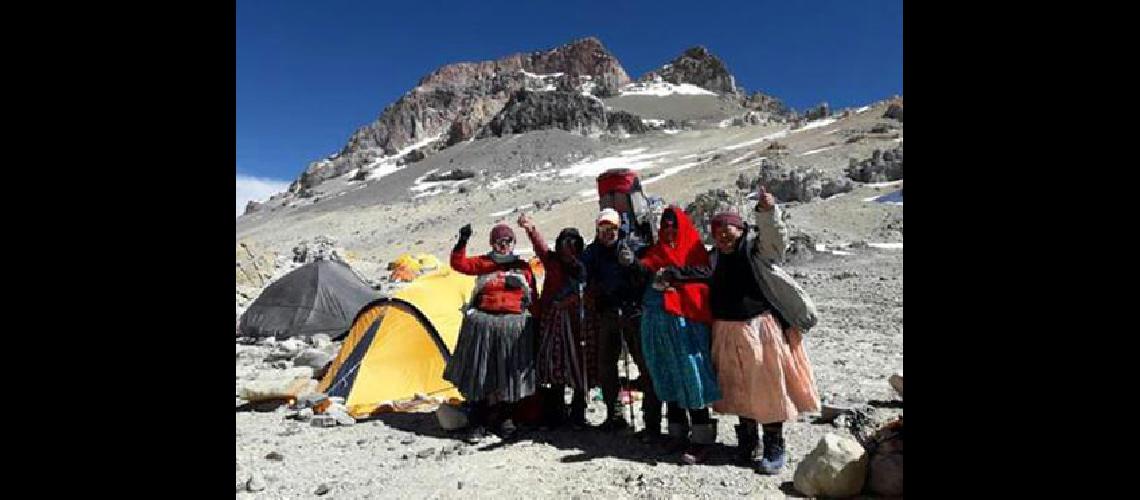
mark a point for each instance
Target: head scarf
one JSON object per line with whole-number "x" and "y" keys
{"x": 685, "y": 299}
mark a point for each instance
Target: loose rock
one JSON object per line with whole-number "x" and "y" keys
{"x": 323, "y": 421}
{"x": 836, "y": 467}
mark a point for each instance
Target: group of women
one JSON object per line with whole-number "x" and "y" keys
{"x": 720, "y": 328}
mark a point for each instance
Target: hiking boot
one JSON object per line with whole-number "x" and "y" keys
{"x": 474, "y": 435}
{"x": 648, "y": 435}
{"x": 614, "y": 422}
{"x": 554, "y": 410}
{"x": 577, "y": 418}
{"x": 678, "y": 438}
{"x": 775, "y": 454}
{"x": 507, "y": 430}
{"x": 748, "y": 445}
{"x": 703, "y": 436}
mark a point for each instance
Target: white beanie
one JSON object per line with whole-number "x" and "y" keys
{"x": 608, "y": 215}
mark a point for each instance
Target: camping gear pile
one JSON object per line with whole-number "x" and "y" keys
{"x": 407, "y": 268}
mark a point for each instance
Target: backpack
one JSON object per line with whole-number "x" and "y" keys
{"x": 620, "y": 189}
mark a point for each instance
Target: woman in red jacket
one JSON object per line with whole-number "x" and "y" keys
{"x": 493, "y": 362}
{"x": 567, "y": 348}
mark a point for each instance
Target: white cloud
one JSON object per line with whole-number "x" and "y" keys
{"x": 256, "y": 189}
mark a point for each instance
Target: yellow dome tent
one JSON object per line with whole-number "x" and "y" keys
{"x": 397, "y": 347}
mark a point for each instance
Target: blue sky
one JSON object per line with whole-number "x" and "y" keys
{"x": 310, "y": 73}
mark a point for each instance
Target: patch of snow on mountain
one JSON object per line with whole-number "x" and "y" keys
{"x": 663, "y": 89}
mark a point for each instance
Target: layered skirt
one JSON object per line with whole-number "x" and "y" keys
{"x": 494, "y": 357}
{"x": 677, "y": 354}
{"x": 763, "y": 370}
{"x": 568, "y": 345}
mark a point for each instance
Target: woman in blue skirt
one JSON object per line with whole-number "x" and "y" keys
{"x": 675, "y": 334}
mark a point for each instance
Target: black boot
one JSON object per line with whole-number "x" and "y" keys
{"x": 651, "y": 418}
{"x": 506, "y": 423}
{"x": 748, "y": 443}
{"x": 775, "y": 454}
{"x": 615, "y": 421}
{"x": 748, "y": 450}
{"x": 554, "y": 407}
{"x": 678, "y": 438}
{"x": 577, "y": 419}
{"x": 476, "y": 423}
{"x": 678, "y": 420}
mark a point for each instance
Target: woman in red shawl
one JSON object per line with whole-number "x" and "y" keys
{"x": 675, "y": 334}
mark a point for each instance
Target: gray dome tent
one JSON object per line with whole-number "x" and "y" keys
{"x": 319, "y": 297}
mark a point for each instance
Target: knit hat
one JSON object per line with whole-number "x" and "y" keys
{"x": 608, "y": 215}
{"x": 728, "y": 219}
{"x": 569, "y": 236}
{"x": 501, "y": 231}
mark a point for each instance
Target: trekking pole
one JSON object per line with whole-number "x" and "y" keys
{"x": 625, "y": 346}
{"x": 582, "y": 338}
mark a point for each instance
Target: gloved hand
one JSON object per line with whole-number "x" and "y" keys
{"x": 514, "y": 281}
{"x": 464, "y": 235}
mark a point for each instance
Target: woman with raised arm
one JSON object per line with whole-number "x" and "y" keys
{"x": 567, "y": 346}
{"x": 493, "y": 362}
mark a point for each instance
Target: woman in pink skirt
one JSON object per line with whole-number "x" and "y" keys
{"x": 759, "y": 314}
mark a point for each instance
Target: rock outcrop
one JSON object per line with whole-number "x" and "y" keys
{"x": 895, "y": 110}
{"x": 254, "y": 266}
{"x": 529, "y": 111}
{"x": 699, "y": 67}
{"x": 882, "y": 166}
{"x": 802, "y": 184}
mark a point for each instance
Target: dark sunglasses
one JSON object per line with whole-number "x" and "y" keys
{"x": 504, "y": 241}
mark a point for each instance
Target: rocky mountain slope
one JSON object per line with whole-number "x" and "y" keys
{"x": 457, "y": 103}
{"x": 454, "y": 101}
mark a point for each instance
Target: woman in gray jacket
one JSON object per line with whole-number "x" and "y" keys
{"x": 759, "y": 315}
